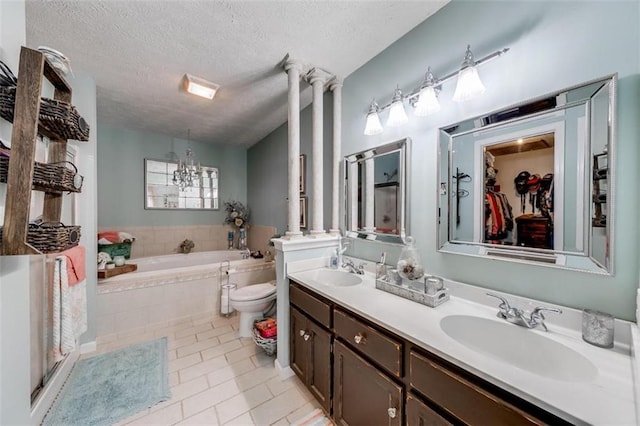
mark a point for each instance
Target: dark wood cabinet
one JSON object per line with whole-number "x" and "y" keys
{"x": 360, "y": 373}
{"x": 363, "y": 395}
{"x": 463, "y": 399}
{"x": 534, "y": 231}
{"x": 420, "y": 414}
{"x": 310, "y": 356}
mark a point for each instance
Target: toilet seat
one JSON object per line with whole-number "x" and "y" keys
{"x": 252, "y": 292}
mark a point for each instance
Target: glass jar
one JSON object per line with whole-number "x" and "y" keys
{"x": 409, "y": 264}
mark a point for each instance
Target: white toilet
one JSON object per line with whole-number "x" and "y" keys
{"x": 251, "y": 301}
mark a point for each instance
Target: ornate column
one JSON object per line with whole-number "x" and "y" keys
{"x": 336, "y": 87}
{"x": 317, "y": 78}
{"x": 293, "y": 69}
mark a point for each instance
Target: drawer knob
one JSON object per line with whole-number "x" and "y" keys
{"x": 306, "y": 337}
{"x": 302, "y": 333}
{"x": 392, "y": 413}
{"x": 359, "y": 339}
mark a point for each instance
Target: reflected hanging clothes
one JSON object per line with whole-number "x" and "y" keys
{"x": 499, "y": 216}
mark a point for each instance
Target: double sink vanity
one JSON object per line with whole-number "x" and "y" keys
{"x": 370, "y": 357}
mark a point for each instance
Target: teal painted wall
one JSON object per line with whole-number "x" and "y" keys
{"x": 267, "y": 171}
{"x": 553, "y": 45}
{"x": 121, "y": 155}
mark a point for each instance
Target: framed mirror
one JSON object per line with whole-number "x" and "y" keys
{"x": 376, "y": 192}
{"x": 533, "y": 182}
{"x": 163, "y": 192}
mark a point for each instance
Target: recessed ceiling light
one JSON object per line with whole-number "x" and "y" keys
{"x": 200, "y": 87}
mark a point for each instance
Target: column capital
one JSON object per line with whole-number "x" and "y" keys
{"x": 290, "y": 63}
{"x": 336, "y": 83}
{"x": 316, "y": 74}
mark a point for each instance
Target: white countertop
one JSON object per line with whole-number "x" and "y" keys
{"x": 608, "y": 399}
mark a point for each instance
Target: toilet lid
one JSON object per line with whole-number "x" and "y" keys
{"x": 253, "y": 292}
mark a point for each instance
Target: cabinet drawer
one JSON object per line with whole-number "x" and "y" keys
{"x": 314, "y": 307}
{"x": 382, "y": 349}
{"x": 460, "y": 397}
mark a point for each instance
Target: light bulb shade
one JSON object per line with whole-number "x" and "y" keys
{"x": 397, "y": 115}
{"x": 427, "y": 103}
{"x": 199, "y": 86}
{"x": 469, "y": 85}
{"x": 373, "y": 126}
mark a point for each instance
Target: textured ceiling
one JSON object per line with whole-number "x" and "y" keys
{"x": 138, "y": 52}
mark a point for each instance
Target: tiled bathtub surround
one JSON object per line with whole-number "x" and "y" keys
{"x": 132, "y": 302}
{"x": 159, "y": 240}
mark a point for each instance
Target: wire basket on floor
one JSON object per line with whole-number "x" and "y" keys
{"x": 269, "y": 344}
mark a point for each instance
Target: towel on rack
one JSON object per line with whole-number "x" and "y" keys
{"x": 76, "y": 267}
{"x": 69, "y": 310}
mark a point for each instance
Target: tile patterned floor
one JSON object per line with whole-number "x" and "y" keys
{"x": 217, "y": 378}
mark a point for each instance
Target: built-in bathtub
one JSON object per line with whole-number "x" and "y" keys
{"x": 168, "y": 288}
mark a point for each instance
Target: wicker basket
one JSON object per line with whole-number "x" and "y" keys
{"x": 56, "y": 117}
{"x": 53, "y": 177}
{"x": 51, "y": 237}
{"x": 268, "y": 344}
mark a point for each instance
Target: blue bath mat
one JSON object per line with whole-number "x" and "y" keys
{"x": 110, "y": 387}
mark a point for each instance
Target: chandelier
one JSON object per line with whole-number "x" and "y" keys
{"x": 187, "y": 172}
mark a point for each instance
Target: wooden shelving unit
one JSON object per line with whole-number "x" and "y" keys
{"x": 34, "y": 66}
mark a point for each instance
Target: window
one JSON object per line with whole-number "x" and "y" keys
{"x": 162, "y": 193}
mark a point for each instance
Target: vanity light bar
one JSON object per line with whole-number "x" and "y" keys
{"x": 429, "y": 81}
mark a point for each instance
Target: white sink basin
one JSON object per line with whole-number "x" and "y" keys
{"x": 519, "y": 347}
{"x": 331, "y": 277}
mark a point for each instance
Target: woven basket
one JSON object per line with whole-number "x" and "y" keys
{"x": 269, "y": 345}
{"x": 53, "y": 177}
{"x": 57, "y": 117}
{"x": 51, "y": 237}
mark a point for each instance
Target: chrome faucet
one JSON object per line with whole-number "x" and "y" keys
{"x": 246, "y": 253}
{"x": 519, "y": 317}
{"x": 343, "y": 245}
{"x": 348, "y": 263}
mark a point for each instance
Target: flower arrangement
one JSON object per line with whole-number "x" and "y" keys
{"x": 237, "y": 214}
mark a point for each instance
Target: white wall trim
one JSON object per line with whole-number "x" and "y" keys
{"x": 48, "y": 395}
{"x": 88, "y": 347}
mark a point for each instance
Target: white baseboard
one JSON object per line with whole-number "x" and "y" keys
{"x": 44, "y": 401}
{"x": 85, "y": 348}
{"x": 283, "y": 372}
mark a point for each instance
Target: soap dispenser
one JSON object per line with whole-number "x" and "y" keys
{"x": 333, "y": 263}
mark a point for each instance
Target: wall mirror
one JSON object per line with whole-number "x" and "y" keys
{"x": 533, "y": 182}
{"x": 162, "y": 193}
{"x": 376, "y": 192}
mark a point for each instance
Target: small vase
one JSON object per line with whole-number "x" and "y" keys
{"x": 242, "y": 240}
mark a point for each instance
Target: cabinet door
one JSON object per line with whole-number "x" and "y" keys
{"x": 319, "y": 364}
{"x": 363, "y": 395}
{"x": 298, "y": 345}
{"x": 419, "y": 414}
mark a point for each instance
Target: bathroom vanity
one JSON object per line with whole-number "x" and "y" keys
{"x": 370, "y": 357}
